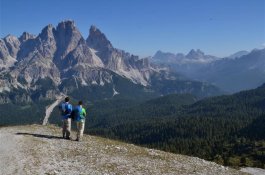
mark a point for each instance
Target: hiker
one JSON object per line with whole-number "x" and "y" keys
{"x": 79, "y": 117}
{"x": 66, "y": 109}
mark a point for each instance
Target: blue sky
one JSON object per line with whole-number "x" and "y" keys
{"x": 141, "y": 27}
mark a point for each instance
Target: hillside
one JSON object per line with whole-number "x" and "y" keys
{"x": 35, "y": 149}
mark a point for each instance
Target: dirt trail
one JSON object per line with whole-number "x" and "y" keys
{"x": 10, "y": 153}
{"x": 50, "y": 108}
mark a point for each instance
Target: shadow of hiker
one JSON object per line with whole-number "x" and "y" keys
{"x": 39, "y": 135}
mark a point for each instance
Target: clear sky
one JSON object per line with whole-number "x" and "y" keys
{"x": 141, "y": 27}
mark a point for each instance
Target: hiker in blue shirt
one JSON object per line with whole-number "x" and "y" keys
{"x": 66, "y": 109}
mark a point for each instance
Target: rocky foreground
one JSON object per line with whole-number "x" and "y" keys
{"x": 36, "y": 149}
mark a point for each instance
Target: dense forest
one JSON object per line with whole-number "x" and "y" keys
{"x": 23, "y": 113}
{"x": 229, "y": 130}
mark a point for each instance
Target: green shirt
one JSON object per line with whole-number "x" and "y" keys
{"x": 80, "y": 114}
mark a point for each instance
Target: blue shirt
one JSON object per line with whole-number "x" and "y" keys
{"x": 80, "y": 114}
{"x": 66, "y": 109}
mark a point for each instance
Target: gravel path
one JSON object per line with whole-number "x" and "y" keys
{"x": 11, "y": 152}
{"x": 37, "y": 149}
{"x": 50, "y": 108}
{"x": 253, "y": 171}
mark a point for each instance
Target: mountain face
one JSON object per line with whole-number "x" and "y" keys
{"x": 59, "y": 60}
{"x": 240, "y": 71}
{"x": 118, "y": 61}
{"x": 9, "y": 47}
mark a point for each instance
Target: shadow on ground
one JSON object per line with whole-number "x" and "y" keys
{"x": 39, "y": 135}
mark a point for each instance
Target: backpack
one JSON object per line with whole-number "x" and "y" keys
{"x": 78, "y": 113}
{"x": 66, "y": 109}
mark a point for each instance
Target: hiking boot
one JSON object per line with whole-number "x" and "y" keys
{"x": 68, "y": 138}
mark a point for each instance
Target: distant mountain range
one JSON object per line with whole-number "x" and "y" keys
{"x": 194, "y": 56}
{"x": 60, "y": 60}
{"x": 240, "y": 71}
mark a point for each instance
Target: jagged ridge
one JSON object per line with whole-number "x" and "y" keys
{"x": 42, "y": 66}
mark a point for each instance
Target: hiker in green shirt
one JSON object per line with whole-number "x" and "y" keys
{"x": 80, "y": 114}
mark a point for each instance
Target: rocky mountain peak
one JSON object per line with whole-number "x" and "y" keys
{"x": 26, "y": 36}
{"x": 45, "y": 42}
{"x": 93, "y": 28}
{"x": 47, "y": 32}
{"x": 66, "y": 24}
{"x": 167, "y": 57}
{"x": 12, "y": 44}
{"x": 200, "y": 52}
{"x": 195, "y": 54}
{"x": 97, "y": 40}
{"x": 163, "y": 54}
{"x": 10, "y": 37}
{"x": 83, "y": 55}
{"x": 3, "y": 50}
{"x": 67, "y": 38}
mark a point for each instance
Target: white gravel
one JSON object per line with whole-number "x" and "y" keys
{"x": 253, "y": 171}
{"x": 50, "y": 108}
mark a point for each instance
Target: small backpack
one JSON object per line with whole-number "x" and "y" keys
{"x": 78, "y": 112}
{"x": 66, "y": 109}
